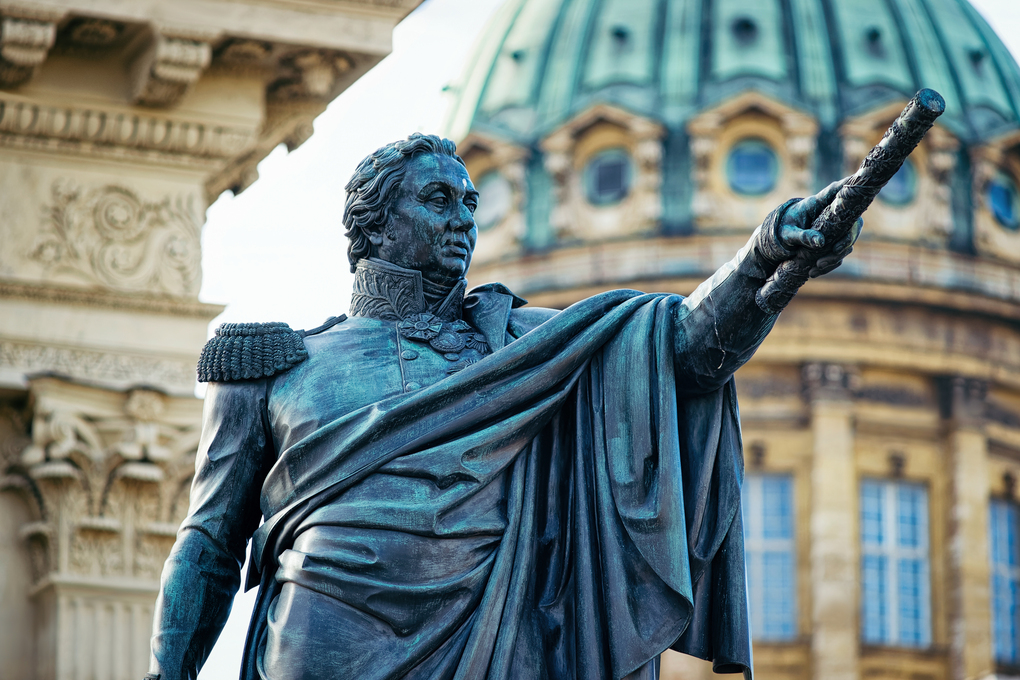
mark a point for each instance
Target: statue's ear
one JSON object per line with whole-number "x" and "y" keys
{"x": 374, "y": 233}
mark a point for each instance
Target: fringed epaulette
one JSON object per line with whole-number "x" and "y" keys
{"x": 247, "y": 351}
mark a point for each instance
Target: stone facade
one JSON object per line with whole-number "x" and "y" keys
{"x": 119, "y": 124}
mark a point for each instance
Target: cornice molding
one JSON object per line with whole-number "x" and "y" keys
{"x": 79, "y": 297}
{"x": 88, "y": 129}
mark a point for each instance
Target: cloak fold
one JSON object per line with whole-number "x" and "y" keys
{"x": 623, "y": 530}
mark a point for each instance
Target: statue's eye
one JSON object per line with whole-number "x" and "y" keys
{"x": 437, "y": 201}
{"x": 472, "y": 205}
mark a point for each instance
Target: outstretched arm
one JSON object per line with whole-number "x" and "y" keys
{"x": 202, "y": 573}
{"x": 719, "y": 326}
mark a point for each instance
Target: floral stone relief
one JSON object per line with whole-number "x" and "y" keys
{"x": 113, "y": 237}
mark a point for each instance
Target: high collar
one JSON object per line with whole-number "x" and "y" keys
{"x": 386, "y": 291}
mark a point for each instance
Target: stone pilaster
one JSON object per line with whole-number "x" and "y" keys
{"x": 835, "y": 560}
{"x": 970, "y": 643}
{"x": 104, "y": 479}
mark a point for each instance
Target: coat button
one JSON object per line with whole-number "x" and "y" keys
{"x": 409, "y": 354}
{"x": 412, "y": 386}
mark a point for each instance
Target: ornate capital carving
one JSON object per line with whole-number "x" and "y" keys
{"x": 310, "y": 74}
{"x": 114, "y": 238}
{"x": 166, "y": 69}
{"x": 24, "y": 44}
{"x": 106, "y": 474}
{"x": 965, "y": 400}
{"x": 832, "y": 382}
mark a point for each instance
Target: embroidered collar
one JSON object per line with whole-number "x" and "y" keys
{"x": 386, "y": 291}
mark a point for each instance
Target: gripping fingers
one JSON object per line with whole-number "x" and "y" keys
{"x": 795, "y": 237}
{"x": 826, "y": 264}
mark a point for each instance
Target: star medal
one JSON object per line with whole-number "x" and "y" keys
{"x": 423, "y": 327}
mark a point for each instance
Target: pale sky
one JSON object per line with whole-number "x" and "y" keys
{"x": 277, "y": 251}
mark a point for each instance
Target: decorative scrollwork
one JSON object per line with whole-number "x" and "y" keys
{"x": 113, "y": 237}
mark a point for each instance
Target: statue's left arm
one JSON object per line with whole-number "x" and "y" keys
{"x": 720, "y": 325}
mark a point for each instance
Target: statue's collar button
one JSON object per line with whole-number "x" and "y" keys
{"x": 409, "y": 355}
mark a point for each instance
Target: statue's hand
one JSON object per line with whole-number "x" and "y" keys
{"x": 795, "y": 232}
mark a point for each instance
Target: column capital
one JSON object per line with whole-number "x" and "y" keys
{"x": 829, "y": 381}
{"x": 964, "y": 401}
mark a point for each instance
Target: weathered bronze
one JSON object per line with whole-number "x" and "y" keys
{"x": 457, "y": 485}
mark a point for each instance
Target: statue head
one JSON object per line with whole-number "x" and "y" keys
{"x": 411, "y": 203}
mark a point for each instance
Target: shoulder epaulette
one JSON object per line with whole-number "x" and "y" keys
{"x": 247, "y": 351}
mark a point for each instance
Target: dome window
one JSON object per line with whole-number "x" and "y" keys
{"x": 607, "y": 177}
{"x": 902, "y": 188}
{"x": 752, "y": 168}
{"x": 495, "y": 198}
{"x": 745, "y": 31}
{"x": 1002, "y": 201}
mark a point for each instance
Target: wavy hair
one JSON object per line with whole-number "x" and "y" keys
{"x": 371, "y": 188}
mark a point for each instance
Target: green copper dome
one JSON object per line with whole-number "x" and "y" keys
{"x": 542, "y": 61}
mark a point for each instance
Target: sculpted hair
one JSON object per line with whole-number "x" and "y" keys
{"x": 370, "y": 190}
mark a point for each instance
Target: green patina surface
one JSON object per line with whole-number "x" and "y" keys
{"x": 759, "y": 54}
{"x": 623, "y": 44}
{"x": 543, "y": 61}
{"x": 872, "y": 49}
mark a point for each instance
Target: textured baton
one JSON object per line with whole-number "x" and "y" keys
{"x": 855, "y": 196}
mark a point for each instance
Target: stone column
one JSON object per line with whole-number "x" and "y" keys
{"x": 970, "y": 643}
{"x": 835, "y": 561}
{"x": 104, "y": 480}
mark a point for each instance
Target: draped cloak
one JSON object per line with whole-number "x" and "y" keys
{"x": 622, "y": 501}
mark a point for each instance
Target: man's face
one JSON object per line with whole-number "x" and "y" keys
{"x": 431, "y": 226}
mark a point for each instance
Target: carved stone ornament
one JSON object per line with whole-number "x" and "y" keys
{"x": 106, "y": 476}
{"x": 104, "y": 367}
{"x": 24, "y": 44}
{"x": 113, "y": 237}
{"x": 310, "y": 74}
{"x": 167, "y": 69}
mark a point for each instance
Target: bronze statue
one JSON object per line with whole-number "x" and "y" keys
{"x": 457, "y": 485}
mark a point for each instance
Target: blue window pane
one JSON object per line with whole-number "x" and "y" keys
{"x": 871, "y": 513}
{"x": 778, "y": 513}
{"x": 874, "y": 599}
{"x": 1002, "y": 201}
{"x": 902, "y": 188}
{"x": 607, "y": 177}
{"x": 1004, "y": 518}
{"x": 912, "y": 597}
{"x": 752, "y": 168}
{"x": 778, "y": 612}
{"x": 911, "y": 512}
{"x": 769, "y": 556}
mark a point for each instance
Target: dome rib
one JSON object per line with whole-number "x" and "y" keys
{"x": 669, "y": 59}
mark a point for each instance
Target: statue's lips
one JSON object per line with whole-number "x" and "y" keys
{"x": 454, "y": 250}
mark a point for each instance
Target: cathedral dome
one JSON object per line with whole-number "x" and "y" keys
{"x": 542, "y": 61}
{"x": 669, "y": 128}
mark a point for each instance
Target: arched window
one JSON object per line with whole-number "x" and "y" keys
{"x": 902, "y": 188}
{"x": 752, "y": 168}
{"x": 607, "y": 177}
{"x": 1002, "y": 201}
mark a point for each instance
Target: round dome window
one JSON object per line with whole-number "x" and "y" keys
{"x": 1002, "y": 201}
{"x": 607, "y": 177}
{"x": 902, "y": 188}
{"x": 752, "y": 168}
{"x": 495, "y": 197}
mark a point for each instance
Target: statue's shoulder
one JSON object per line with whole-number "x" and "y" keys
{"x": 249, "y": 351}
{"x": 525, "y": 319}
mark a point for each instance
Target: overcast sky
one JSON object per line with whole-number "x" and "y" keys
{"x": 277, "y": 251}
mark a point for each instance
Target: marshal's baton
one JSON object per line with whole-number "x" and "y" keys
{"x": 855, "y": 196}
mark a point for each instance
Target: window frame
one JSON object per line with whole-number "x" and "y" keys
{"x": 894, "y": 554}
{"x": 997, "y": 568}
{"x": 757, "y": 545}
